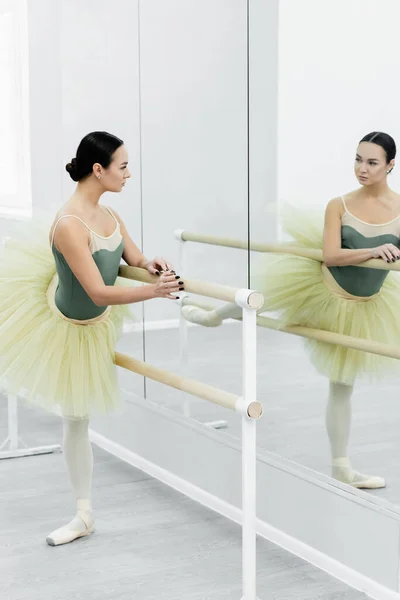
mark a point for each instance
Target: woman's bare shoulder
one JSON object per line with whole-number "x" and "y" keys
{"x": 65, "y": 227}
{"x": 335, "y": 205}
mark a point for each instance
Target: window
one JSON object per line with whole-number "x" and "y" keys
{"x": 15, "y": 177}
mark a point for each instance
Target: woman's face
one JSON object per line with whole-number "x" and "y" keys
{"x": 370, "y": 165}
{"x": 115, "y": 176}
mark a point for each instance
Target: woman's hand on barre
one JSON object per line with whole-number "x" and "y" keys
{"x": 388, "y": 252}
{"x": 168, "y": 285}
{"x": 157, "y": 266}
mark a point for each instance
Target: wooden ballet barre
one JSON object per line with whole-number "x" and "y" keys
{"x": 191, "y": 386}
{"x": 201, "y": 288}
{"x": 313, "y": 253}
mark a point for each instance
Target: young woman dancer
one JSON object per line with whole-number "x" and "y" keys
{"x": 61, "y": 311}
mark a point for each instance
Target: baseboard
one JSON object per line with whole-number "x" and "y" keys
{"x": 325, "y": 563}
{"x": 319, "y": 560}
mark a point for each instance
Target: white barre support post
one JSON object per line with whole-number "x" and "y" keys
{"x": 184, "y": 359}
{"x": 183, "y": 326}
{"x": 16, "y": 447}
{"x": 249, "y": 301}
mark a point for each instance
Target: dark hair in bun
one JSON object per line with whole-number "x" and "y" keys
{"x": 71, "y": 169}
{"x": 384, "y": 140}
{"x": 96, "y": 147}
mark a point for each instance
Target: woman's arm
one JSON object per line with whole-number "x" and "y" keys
{"x": 72, "y": 240}
{"x": 335, "y": 256}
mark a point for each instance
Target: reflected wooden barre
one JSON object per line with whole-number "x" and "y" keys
{"x": 209, "y": 316}
{"x": 201, "y": 288}
{"x": 191, "y": 386}
{"x": 312, "y": 253}
{"x": 338, "y": 339}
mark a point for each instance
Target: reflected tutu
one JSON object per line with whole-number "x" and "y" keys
{"x": 52, "y": 361}
{"x": 304, "y": 293}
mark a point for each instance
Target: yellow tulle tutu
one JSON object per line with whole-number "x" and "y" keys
{"x": 299, "y": 291}
{"x": 49, "y": 360}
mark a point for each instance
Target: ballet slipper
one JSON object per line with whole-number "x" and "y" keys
{"x": 343, "y": 471}
{"x": 80, "y": 526}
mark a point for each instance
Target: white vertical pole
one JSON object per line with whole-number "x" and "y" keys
{"x": 12, "y": 422}
{"x": 183, "y": 326}
{"x": 249, "y": 459}
{"x": 184, "y": 361}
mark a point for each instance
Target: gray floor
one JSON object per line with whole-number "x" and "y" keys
{"x": 151, "y": 542}
{"x": 293, "y": 394}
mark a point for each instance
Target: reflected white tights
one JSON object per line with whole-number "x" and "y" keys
{"x": 79, "y": 458}
{"x": 338, "y": 425}
{"x": 338, "y": 418}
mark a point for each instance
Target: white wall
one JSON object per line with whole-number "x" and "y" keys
{"x": 338, "y": 81}
{"x": 194, "y": 128}
{"x": 263, "y": 82}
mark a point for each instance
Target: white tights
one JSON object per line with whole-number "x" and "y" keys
{"x": 79, "y": 457}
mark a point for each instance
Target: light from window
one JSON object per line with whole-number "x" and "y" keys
{"x": 15, "y": 185}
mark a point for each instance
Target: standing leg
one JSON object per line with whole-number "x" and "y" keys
{"x": 79, "y": 458}
{"x": 338, "y": 425}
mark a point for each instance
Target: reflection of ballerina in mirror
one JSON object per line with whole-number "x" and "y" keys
{"x": 338, "y": 296}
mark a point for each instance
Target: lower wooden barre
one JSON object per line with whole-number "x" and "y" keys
{"x": 195, "y": 388}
